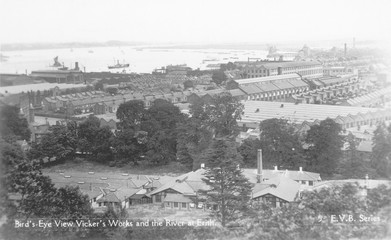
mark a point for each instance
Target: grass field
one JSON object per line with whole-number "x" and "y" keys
{"x": 82, "y": 165}
{"x": 156, "y": 212}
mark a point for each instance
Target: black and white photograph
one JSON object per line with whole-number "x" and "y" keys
{"x": 195, "y": 119}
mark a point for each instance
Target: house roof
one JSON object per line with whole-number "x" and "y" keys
{"x": 109, "y": 197}
{"x": 365, "y": 146}
{"x": 92, "y": 193}
{"x": 281, "y": 187}
{"x": 187, "y": 184}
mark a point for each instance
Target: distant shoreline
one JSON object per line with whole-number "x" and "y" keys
{"x": 8, "y": 47}
{"x": 45, "y": 46}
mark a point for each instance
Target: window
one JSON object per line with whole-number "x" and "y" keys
{"x": 158, "y": 198}
{"x": 176, "y": 205}
{"x": 184, "y": 205}
{"x": 167, "y": 204}
{"x": 311, "y": 183}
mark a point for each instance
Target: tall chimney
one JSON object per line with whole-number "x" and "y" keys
{"x": 346, "y": 49}
{"x": 259, "y": 166}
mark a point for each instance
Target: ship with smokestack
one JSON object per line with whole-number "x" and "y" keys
{"x": 119, "y": 65}
{"x": 58, "y": 65}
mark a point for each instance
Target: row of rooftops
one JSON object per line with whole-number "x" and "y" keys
{"x": 283, "y": 64}
{"x": 257, "y": 111}
{"x": 376, "y": 95}
{"x": 286, "y": 183}
{"x": 271, "y": 83}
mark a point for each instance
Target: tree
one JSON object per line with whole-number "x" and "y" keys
{"x": 228, "y": 189}
{"x": 220, "y": 115}
{"x": 102, "y": 150}
{"x": 112, "y": 90}
{"x": 381, "y": 153}
{"x": 159, "y": 150}
{"x": 99, "y": 86}
{"x": 248, "y": 150}
{"x": 280, "y": 144}
{"x": 218, "y": 77}
{"x": 131, "y": 114}
{"x": 11, "y": 123}
{"x": 325, "y": 143}
{"x": 87, "y": 132}
{"x": 38, "y": 198}
{"x": 352, "y": 165}
{"x": 127, "y": 147}
{"x": 61, "y": 143}
{"x": 193, "y": 138}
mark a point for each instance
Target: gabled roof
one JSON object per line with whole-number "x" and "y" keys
{"x": 187, "y": 184}
{"x": 365, "y": 146}
{"x": 109, "y": 197}
{"x": 92, "y": 193}
{"x": 281, "y": 187}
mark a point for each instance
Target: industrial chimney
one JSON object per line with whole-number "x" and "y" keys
{"x": 259, "y": 166}
{"x": 77, "y": 66}
{"x": 346, "y": 49}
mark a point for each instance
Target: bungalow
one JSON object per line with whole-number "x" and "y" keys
{"x": 280, "y": 186}
{"x": 277, "y": 191}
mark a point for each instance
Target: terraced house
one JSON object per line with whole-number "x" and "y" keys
{"x": 272, "y": 88}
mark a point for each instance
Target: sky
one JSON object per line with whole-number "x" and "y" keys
{"x": 193, "y": 21}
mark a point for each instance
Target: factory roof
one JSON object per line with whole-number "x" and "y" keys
{"x": 271, "y": 64}
{"x": 369, "y": 97}
{"x": 269, "y": 78}
{"x": 256, "y": 111}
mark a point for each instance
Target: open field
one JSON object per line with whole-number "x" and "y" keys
{"x": 82, "y": 165}
{"x": 156, "y": 212}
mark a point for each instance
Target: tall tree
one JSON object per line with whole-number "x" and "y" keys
{"x": 218, "y": 76}
{"x": 127, "y": 146}
{"x": 353, "y": 165}
{"x": 220, "y": 115}
{"x": 248, "y": 150}
{"x": 325, "y": 147}
{"x": 280, "y": 144}
{"x": 37, "y": 198}
{"x": 11, "y": 123}
{"x": 381, "y": 152}
{"x": 193, "y": 139}
{"x": 131, "y": 114}
{"x": 229, "y": 190}
{"x": 60, "y": 143}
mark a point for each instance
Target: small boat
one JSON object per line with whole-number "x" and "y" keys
{"x": 90, "y": 51}
{"x": 3, "y": 58}
{"x": 119, "y": 65}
